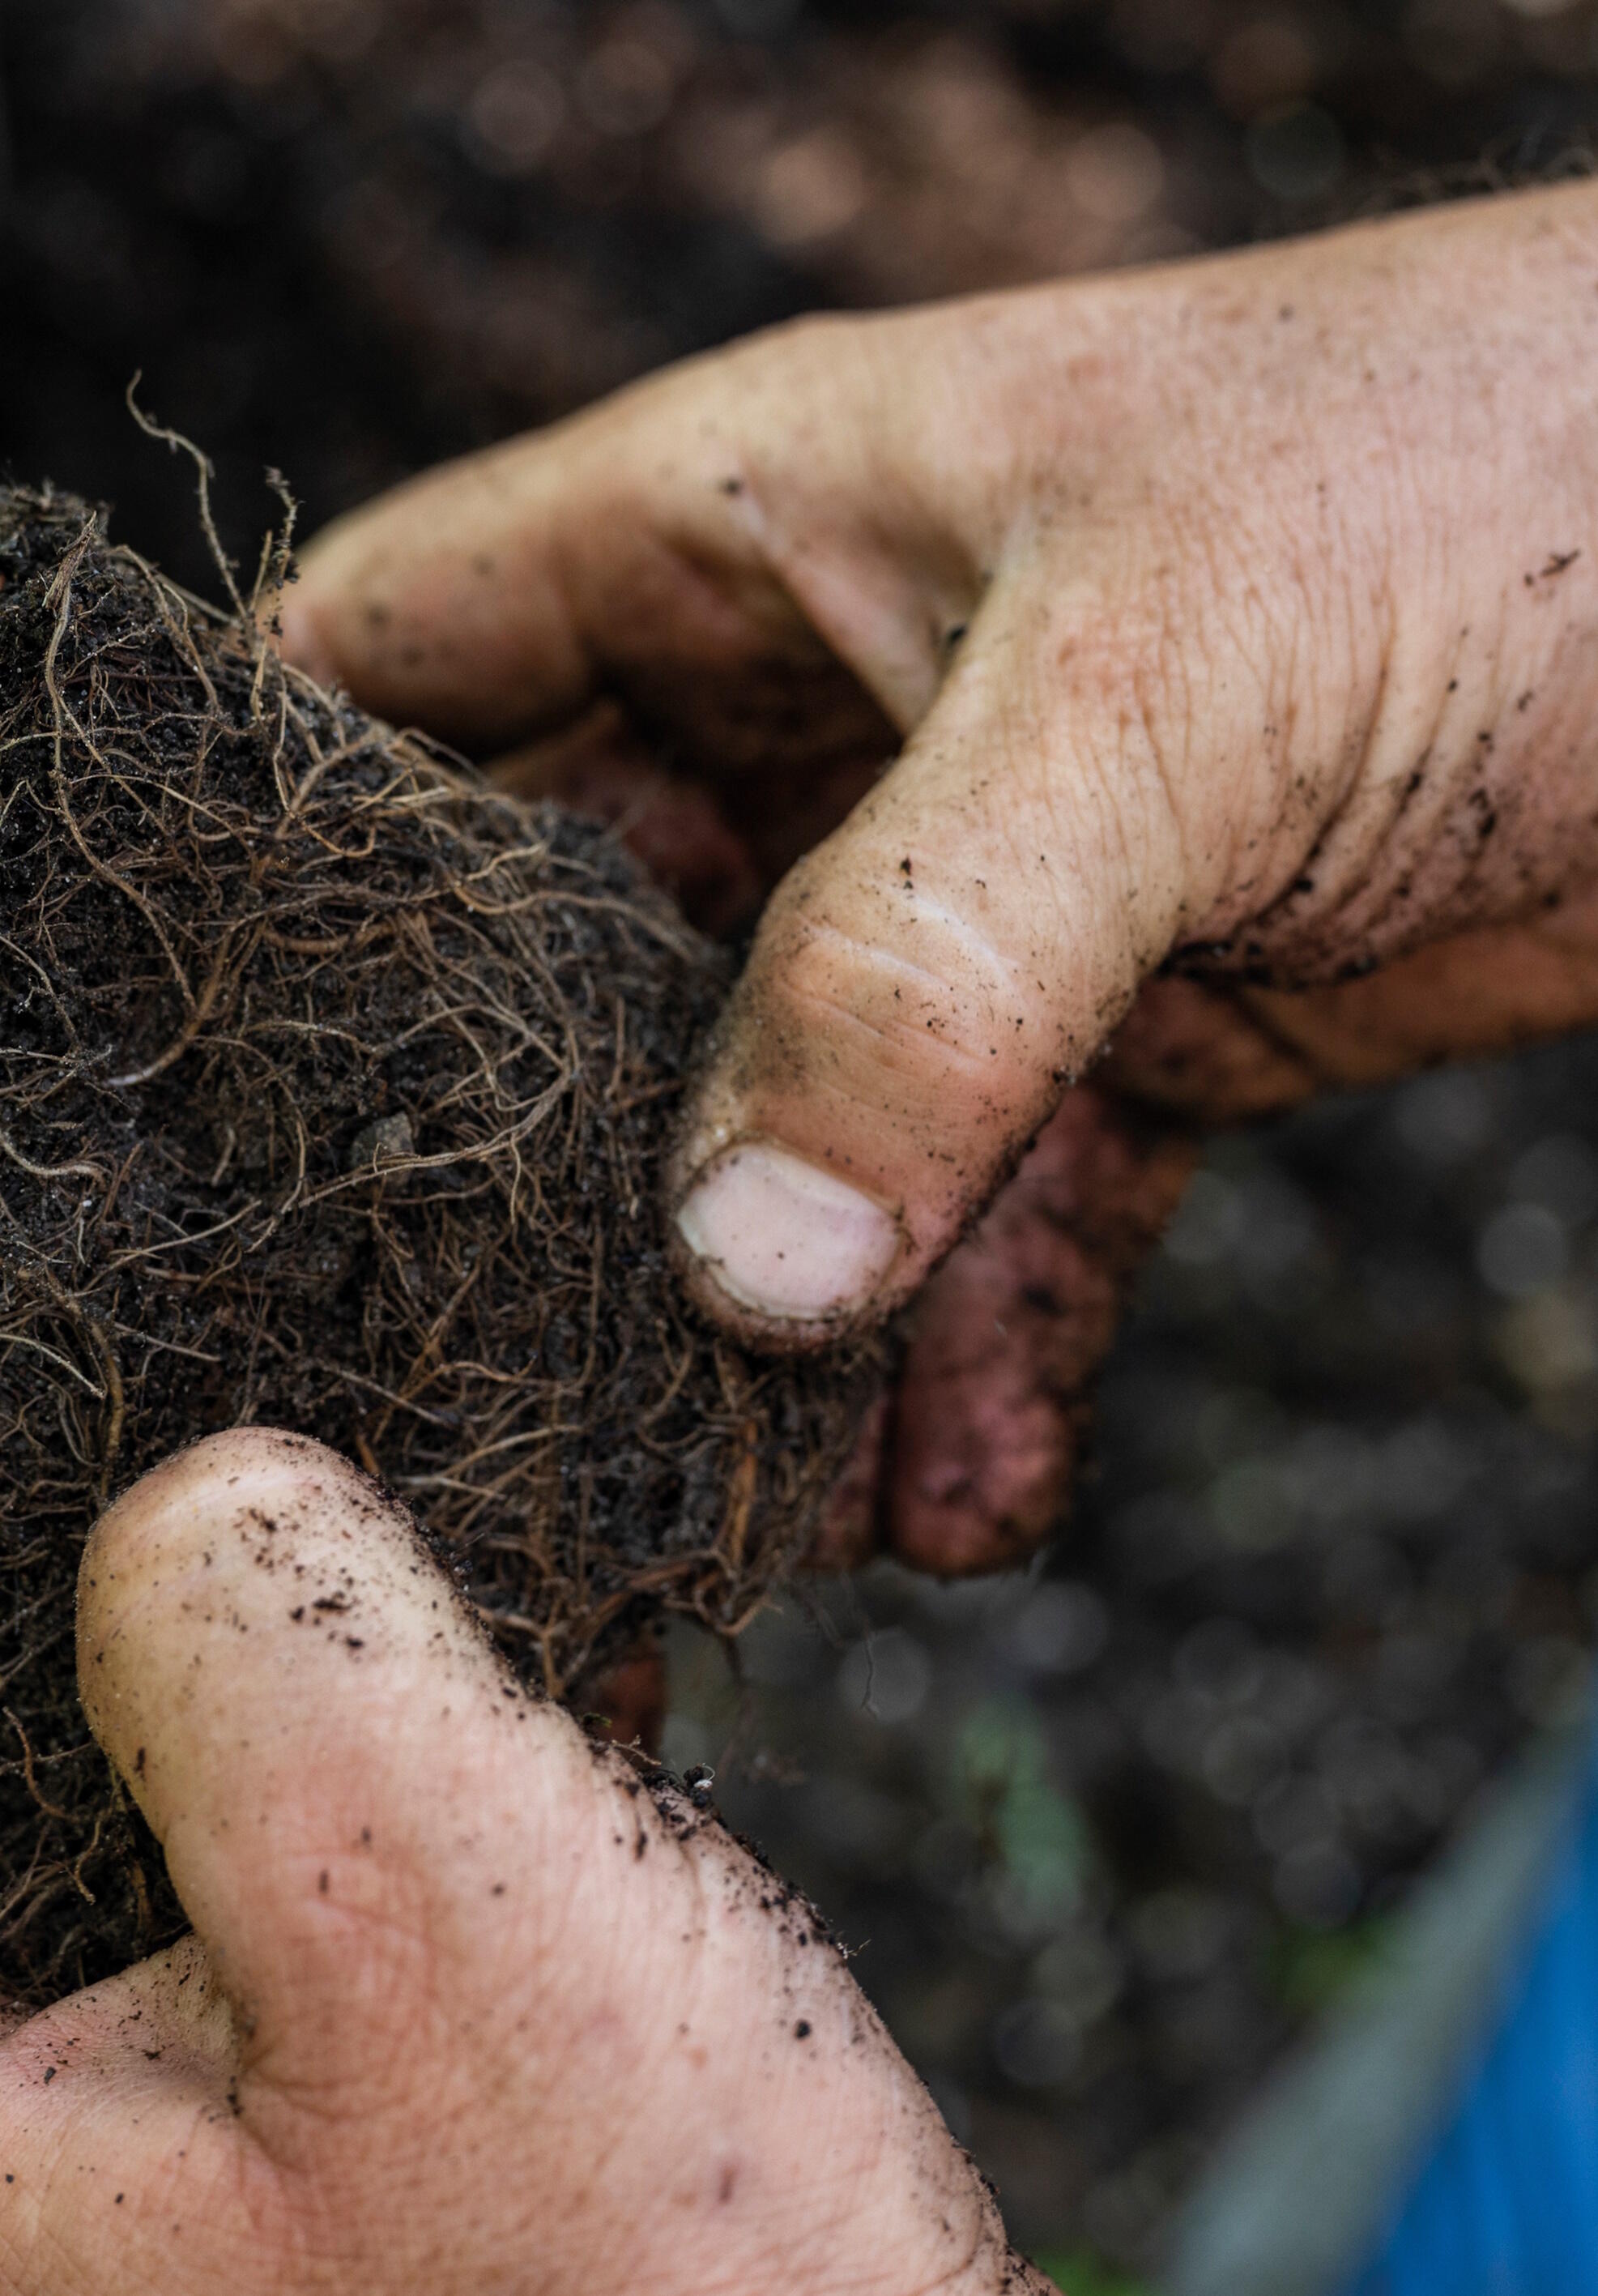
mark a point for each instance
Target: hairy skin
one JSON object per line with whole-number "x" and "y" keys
{"x": 1240, "y": 613}
{"x": 468, "y": 2006}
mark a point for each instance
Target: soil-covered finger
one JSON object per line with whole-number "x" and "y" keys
{"x": 990, "y": 1416}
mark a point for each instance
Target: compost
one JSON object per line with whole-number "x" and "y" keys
{"x": 334, "y": 1087}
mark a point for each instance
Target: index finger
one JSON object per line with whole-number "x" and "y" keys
{"x": 496, "y": 597}
{"x": 754, "y": 540}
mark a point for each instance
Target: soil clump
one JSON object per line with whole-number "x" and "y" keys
{"x": 333, "y": 1091}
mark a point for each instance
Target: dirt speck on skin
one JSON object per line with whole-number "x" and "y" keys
{"x": 334, "y": 1095}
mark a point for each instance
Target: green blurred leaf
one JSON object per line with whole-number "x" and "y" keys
{"x": 1079, "y": 2274}
{"x": 1006, "y": 1783}
{"x": 1309, "y": 1968}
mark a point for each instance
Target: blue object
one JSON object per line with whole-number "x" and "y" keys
{"x": 1506, "y": 2203}
{"x": 1440, "y": 2137}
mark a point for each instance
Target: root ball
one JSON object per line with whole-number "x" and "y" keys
{"x": 333, "y": 1089}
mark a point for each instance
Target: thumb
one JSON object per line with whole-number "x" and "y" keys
{"x": 301, "y": 1706}
{"x": 924, "y": 986}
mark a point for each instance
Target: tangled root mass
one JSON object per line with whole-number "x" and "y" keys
{"x": 333, "y": 1091}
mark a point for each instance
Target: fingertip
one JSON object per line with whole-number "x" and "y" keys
{"x": 439, "y": 604}
{"x": 303, "y": 643}
{"x": 160, "y": 1536}
{"x": 321, "y": 608}
{"x": 155, "y": 1520}
{"x": 259, "y": 1588}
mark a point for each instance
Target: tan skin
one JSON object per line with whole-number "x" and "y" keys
{"x": 466, "y": 2011}
{"x": 1224, "y": 614}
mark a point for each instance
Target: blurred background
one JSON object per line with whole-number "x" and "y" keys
{"x": 1102, "y": 1840}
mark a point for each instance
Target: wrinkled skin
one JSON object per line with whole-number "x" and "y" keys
{"x": 466, "y": 2009}
{"x": 1238, "y": 615}
{"x": 1225, "y": 614}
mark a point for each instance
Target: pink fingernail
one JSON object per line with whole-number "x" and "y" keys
{"x": 783, "y": 1237}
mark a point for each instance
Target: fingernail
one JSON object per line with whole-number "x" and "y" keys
{"x": 783, "y": 1237}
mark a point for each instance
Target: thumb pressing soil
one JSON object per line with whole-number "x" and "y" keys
{"x": 333, "y": 1090}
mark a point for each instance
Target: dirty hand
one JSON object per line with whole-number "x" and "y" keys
{"x": 470, "y": 2004}
{"x": 1241, "y": 613}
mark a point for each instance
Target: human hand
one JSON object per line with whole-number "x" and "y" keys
{"x": 1238, "y": 612}
{"x": 471, "y": 2003}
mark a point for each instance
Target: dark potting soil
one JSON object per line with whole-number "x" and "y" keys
{"x": 333, "y": 1089}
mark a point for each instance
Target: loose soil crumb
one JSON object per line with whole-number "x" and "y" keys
{"x": 333, "y": 1089}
